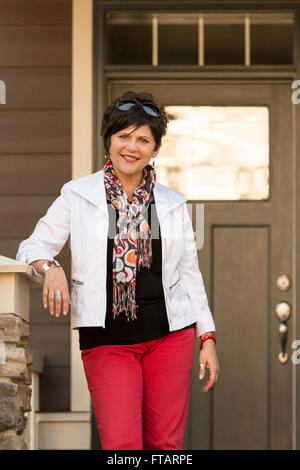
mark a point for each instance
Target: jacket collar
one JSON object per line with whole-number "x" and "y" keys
{"x": 92, "y": 188}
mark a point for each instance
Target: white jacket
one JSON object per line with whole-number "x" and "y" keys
{"x": 80, "y": 216}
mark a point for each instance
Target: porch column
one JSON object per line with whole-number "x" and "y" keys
{"x": 82, "y": 153}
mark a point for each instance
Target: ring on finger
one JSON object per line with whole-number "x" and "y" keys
{"x": 201, "y": 366}
{"x": 57, "y": 295}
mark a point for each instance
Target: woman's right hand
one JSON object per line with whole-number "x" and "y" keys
{"x": 55, "y": 279}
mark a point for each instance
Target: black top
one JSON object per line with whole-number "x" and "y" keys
{"x": 152, "y": 321}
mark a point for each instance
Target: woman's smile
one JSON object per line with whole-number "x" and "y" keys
{"x": 129, "y": 158}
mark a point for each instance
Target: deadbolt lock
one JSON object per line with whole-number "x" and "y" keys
{"x": 283, "y": 282}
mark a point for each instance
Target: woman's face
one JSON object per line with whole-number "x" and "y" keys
{"x": 131, "y": 150}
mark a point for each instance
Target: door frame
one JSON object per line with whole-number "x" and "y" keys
{"x": 274, "y": 95}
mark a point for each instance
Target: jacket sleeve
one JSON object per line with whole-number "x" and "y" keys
{"x": 50, "y": 234}
{"x": 188, "y": 268}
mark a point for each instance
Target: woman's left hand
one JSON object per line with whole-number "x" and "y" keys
{"x": 208, "y": 357}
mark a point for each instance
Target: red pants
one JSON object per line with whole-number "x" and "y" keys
{"x": 141, "y": 392}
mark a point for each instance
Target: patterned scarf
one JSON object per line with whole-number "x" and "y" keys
{"x": 132, "y": 248}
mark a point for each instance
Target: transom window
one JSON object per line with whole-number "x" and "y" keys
{"x": 149, "y": 38}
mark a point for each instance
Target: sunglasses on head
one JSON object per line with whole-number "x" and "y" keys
{"x": 149, "y": 108}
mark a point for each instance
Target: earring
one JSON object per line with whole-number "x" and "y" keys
{"x": 153, "y": 162}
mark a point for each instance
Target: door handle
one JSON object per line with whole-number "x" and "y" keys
{"x": 283, "y": 313}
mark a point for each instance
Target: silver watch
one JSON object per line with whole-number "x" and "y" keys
{"x": 49, "y": 264}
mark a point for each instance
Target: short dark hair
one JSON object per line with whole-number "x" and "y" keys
{"x": 114, "y": 120}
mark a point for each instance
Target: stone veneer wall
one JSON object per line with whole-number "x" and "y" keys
{"x": 15, "y": 358}
{"x": 15, "y": 380}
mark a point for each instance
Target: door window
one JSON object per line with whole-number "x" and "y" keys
{"x": 216, "y": 152}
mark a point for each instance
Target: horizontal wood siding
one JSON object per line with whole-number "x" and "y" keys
{"x": 35, "y": 156}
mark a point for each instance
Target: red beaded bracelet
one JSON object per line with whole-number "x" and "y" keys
{"x": 208, "y": 336}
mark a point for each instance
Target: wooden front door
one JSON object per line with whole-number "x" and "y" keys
{"x": 247, "y": 246}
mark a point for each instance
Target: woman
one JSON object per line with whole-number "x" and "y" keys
{"x": 138, "y": 298}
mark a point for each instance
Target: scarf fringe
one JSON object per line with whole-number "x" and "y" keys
{"x": 124, "y": 299}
